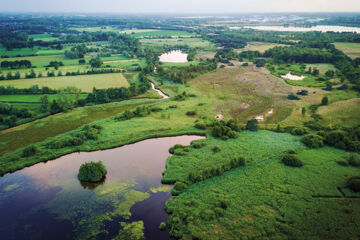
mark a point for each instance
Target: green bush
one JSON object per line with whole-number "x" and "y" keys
{"x": 299, "y": 131}
{"x": 338, "y": 139}
{"x": 291, "y": 160}
{"x": 162, "y": 226}
{"x": 354, "y": 160}
{"x": 198, "y": 144}
{"x": 191, "y": 113}
{"x": 354, "y": 184}
{"x": 179, "y": 149}
{"x": 216, "y": 149}
{"x": 92, "y": 172}
{"x": 180, "y": 186}
{"x": 313, "y": 141}
{"x": 30, "y": 151}
{"x": 252, "y": 125}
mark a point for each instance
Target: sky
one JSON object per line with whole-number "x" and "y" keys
{"x": 179, "y": 6}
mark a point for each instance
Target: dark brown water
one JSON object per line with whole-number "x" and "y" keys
{"x": 46, "y": 201}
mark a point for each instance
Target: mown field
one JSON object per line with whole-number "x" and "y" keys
{"x": 44, "y": 60}
{"x": 35, "y": 98}
{"x": 350, "y": 49}
{"x": 85, "y": 82}
{"x": 191, "y": 42}
{"x": 259, "y": 46}
{"x": 265, "y": 198}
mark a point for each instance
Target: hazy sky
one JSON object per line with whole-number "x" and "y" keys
{"x": 179, "y": 6}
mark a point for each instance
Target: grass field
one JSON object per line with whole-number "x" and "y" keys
{"x": 85, "y": 82}
{"x": 29, "y": 97}
{"x": 191, "y": 42}
{"x": 264, "y": 199}
{"x": 39, "y": 130}
{"x": 343, "y": 113}
{"x": 259, "y": 46}
{"x": 43, "y": 37}
{"x": 44, "y": 60}
{"x": 308, "y": 81}
{"x": 350, "y": 49}
{"x": 136, "y": 32}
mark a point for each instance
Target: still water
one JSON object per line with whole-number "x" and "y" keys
{"x": 319, "y": 28}
{"x": 47, "y": 201}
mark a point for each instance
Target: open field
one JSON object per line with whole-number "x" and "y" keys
{"x": 344, "y": 113}
{"x": 44, "y": 60}
{"x": 295, "y": 69}
{"x": 30, "y": 97}
{"x": 259, "y": 46}
{"x": 43, "y": 37}
{"x": 350, "y": 49}
{"x": 39, "y": 130}
{"x": 85, "y": 82}
{"x": 243, "y": 92}
{"x": 296, "y": 203}
{"x": 191, "y": 42}
{"x": 323, "y": 67}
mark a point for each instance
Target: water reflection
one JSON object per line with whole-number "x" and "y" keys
{"x": 51, "y": 193}
{"x": 92, "y": 185}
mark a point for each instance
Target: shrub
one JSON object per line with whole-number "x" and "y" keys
{"x": 324, "y": 101}
{"x": 191, "y": 113}
{"x": 216, "y": 149}
{"x": 299, "y": 131}
{"x": 313, "y": 141}
{"x": 200, "y": 125}
{"x": 291, "y": 160}
{"x": 225, "y": 130}
{"x": 162, "y": 226}
{"x": 354, "y": 184}
{"x": 292, "y": 96}
{"x": 30, "y": 151}
{"x": 180, "y": 186}
{"x": 338, "y": 138}
{"x": 198, "y": 144}
{"x": 303, "y": 92}
{"x": 252, "y": 125}
{"x": 354, "y": 160}
{"x": 92, "y": 172}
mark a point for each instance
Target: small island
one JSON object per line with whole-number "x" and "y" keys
{"x": 92, "y": 172}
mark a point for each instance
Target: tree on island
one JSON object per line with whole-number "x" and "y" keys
{"x": 92, "y": 172}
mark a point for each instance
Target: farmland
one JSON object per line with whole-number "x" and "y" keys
{"x": 350, "y": 49}
{"x": 85, "y": 82}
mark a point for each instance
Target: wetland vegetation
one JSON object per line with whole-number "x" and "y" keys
{"x": 204, "y": 129}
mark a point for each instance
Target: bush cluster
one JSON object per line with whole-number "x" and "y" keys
{"x": 225, "y": 130}
{"x": 198, "y": 144}
{"x": 299, "y": 131}
{"x": 344, "y": 140}
{"x": 30, "y": 151}
{"x": 216, "y": 170}
{"x": 291, "y": 160}
{"x": 313, "y": 141}
{"x": 179, "y": 150}
{"x": 86, "y": 133}
{"x": 138, "y": 112}
{"x": 354, "y": 184}
{"x": 92, "y": 172}
{"x": 354, "y": 160}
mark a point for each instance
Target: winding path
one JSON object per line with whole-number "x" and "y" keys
{"x": 163, "y": 95}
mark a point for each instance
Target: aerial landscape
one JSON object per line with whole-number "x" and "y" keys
{"x": 194, "y": 120}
